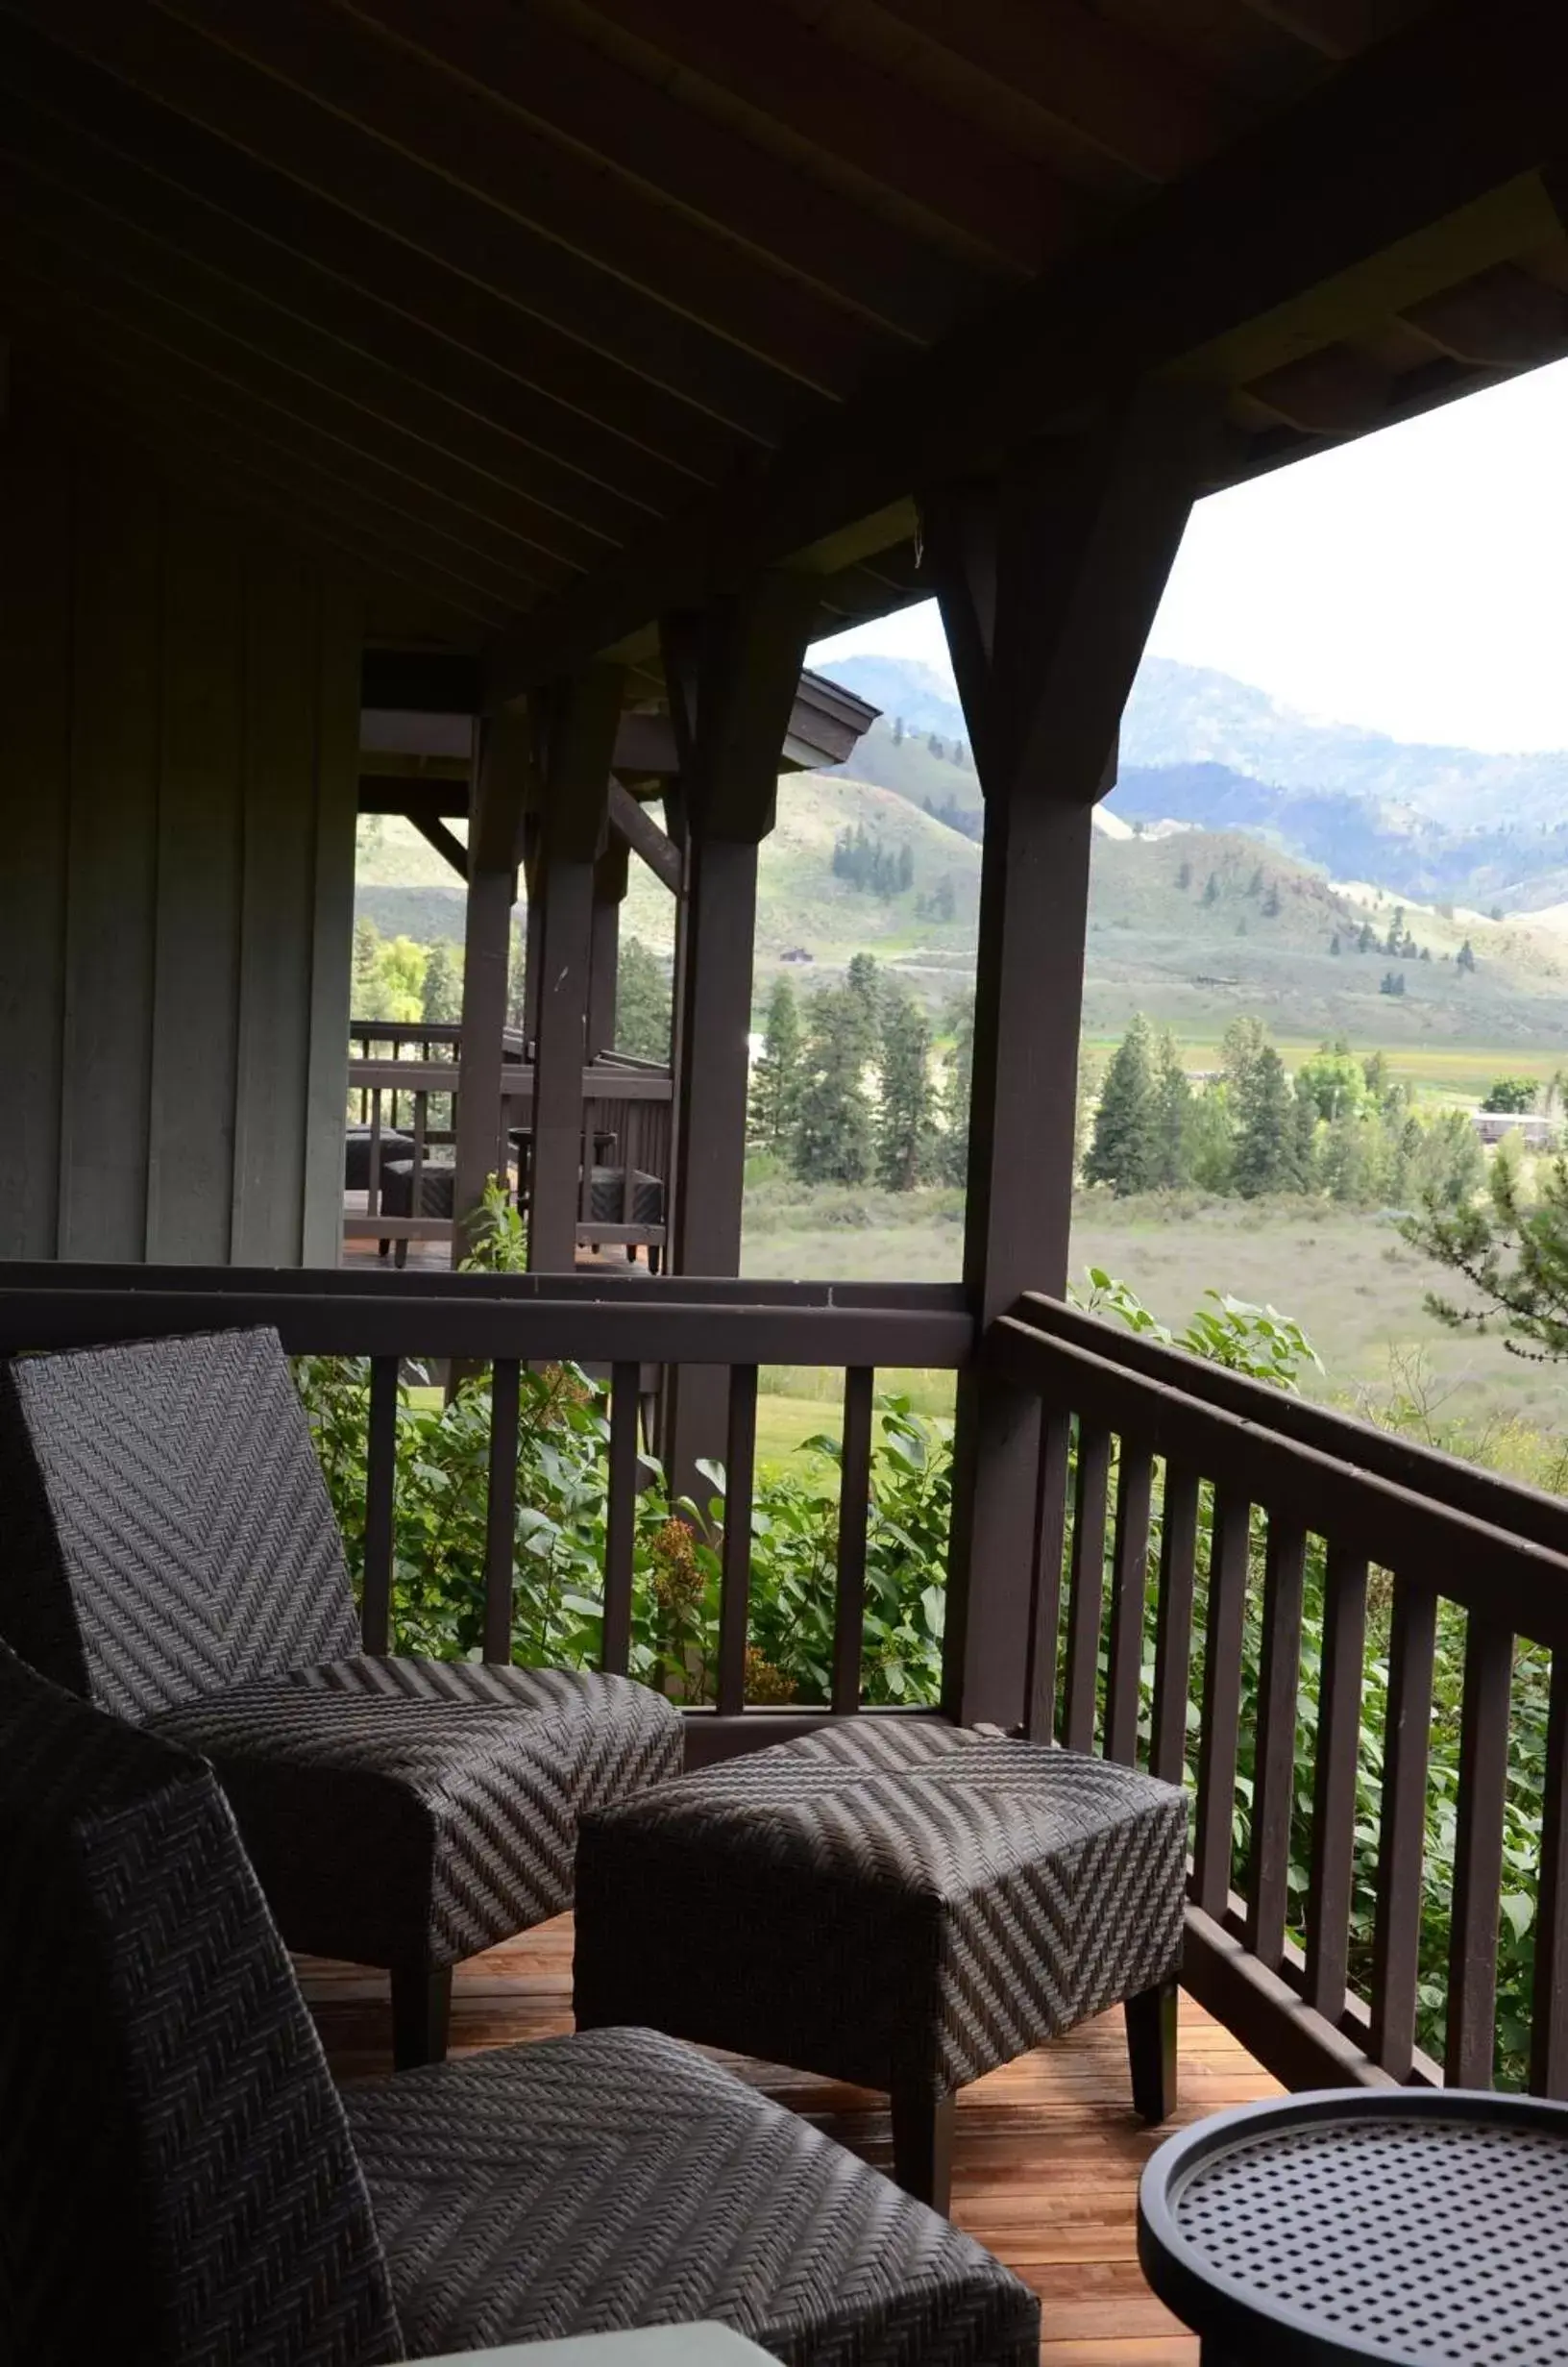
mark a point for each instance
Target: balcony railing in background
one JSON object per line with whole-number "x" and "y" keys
{"x": 402, "y": 1083}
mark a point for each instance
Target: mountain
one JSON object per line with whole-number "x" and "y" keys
{"x": 1188, "y": 924}
{"x": 1441, "y": 824}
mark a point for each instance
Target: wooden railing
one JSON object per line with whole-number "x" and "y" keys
{"x": 1214, "y": 1560}
{"x": 403, "y": 1082}
{"x": 1182, "y": 1512}
{"x": 624, "y": 1332}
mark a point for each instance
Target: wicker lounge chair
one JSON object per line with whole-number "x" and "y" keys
{"x": 180, "y": 2183}
{"x": 171, "y": 1554}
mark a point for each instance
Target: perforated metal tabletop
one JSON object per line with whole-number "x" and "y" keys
{"x": 1416, "y": 2227}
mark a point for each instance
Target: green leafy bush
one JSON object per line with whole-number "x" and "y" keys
{"x": 440, "y": 1494}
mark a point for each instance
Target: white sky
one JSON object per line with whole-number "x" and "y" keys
{"x": 1414, "y": 582}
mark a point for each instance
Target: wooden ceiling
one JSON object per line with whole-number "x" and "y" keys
{"x": 548, "y": 315}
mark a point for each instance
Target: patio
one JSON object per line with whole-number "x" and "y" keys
{"x": 1046, "y": 2160}
{"x": 484, "y": 411}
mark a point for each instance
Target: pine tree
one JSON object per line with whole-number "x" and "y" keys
{"x": 1333, "y": 943}
{"x": 903, "y": 1121}
{"x": 1304, "y": 1145}
{"x": 1465, "y": 958}
{"x": 441, "y": 998}
{"x": 1265, "y": 1129}
{"x": 1172, "y": 1107}
{"x": 952, "y": 1152}
{"x": 1366, "y": 941}
{"x": 1271, "y": 902}
{"x": 906, "y": 868}
{"x": 775, "y": 1080}
{"x": 1123, "y": 1152}
{"x": 367, "y": 968}
{"x": 832, "y": 1138}
{"x": 642, "y": 1004}
{"x": 1396, "y": 932}
{"x": 1211, "y": 889}
{"x": 898, "y": 732}
{"x": 1183, "y": 875}
{"x": 1255, "y": 885}
{"x": 1241, "y": 1047}
{"x": 863, "y": 982}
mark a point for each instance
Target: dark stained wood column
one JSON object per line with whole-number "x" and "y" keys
{"x": 733, "y": 676}
{"x": 584, "y": 714}
{"x": 1048, "y": 576}
{"x": 604, "y": 959}
{"x": 502, "y": 780}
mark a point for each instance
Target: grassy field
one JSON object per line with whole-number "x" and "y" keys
{"x": 1345, "y": 1275}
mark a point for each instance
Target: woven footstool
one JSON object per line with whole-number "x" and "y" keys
{"x": 900, "y": 1905}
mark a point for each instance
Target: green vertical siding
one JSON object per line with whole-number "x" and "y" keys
{"x": 179, "y": 712}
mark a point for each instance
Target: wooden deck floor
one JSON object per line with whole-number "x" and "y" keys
{"x": 1048, "y": 2151}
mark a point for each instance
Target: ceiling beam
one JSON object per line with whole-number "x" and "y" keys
{"x": 243, "y": 210}
{"x": 283, "y": 304}
{"x": 139, "y": 318}
{"x": 213, "y": 86}
{"x": 1138, "y": 106}
{"x": 523, "y": 58}
{"x": 1436, "y": 139}
{"x": 886, "y": 133}
{"x": 454, "y": 129}
{"x": 1502, "y": 320}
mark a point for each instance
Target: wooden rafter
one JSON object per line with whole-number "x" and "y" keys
{"x": 1087, "y": 73}
{"x": 1432, "y": 123}
{"x": 887, "y": 135}
{"x": 519, "y": 56}
{"x": 269, "y": 232}
{"x": 262, "y": 114}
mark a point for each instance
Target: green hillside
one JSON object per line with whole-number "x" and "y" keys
{"x": 1159, "y": 940}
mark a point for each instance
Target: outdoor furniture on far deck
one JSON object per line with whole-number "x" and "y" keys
{"x": 356, "y": 1151}
{"x": 1425, "y": 2228}
{"x": 171, "y": 1553}
{"x": 436, "y": 1196}
{"x": 899, "y": 1905}
{"x": 181, "y": 2183}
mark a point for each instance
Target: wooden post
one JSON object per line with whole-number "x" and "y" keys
{"x": 1048, "y": 576}
{"x": 732, "y": 678}
{"x": 500, "y": 782}
{"x": 584, "y": 714}
{"x": 604, "y": 959}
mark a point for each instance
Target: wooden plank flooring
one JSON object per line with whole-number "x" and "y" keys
{"x": 1048, "y": 2151}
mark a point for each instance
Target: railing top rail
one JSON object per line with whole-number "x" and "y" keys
{"x": 1507, "y": 1504}
{"x": 637, "y": 1326}
{"x": 1510, "y": 1580}
{"x": 666, "y": 1290}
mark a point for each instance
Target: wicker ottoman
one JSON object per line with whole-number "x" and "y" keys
{"x": 900, "y": 1905}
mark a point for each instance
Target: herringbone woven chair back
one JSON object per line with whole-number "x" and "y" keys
{"x": 177, "y": 2182}
{"x": 164, "y": 1528}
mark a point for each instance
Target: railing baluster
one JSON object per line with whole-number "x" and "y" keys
{"x": 1549, "y": 1997}
{"x": 1173, "y": 1623}
{"x": 855, "y": 1512}
{"x": 621, "y": 1519}
{"x": 1221, "y": 1725}
{"x": 1331, "y": 1883}
{"x": 1470, "y": 2045}
{"x": 1401, "y": 1832}
{"x": 1129, "y": 1585}
{"x": 380, "y": 1479}
{"x": 1050, "y": 1545}
{"x": 1279, "y": 1688}
{"x": 501, "y": 1510}
{"x": 735, "y": 1598}
{"x": 1086, "y": 1596}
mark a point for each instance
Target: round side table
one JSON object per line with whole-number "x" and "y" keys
{"x": 1422, "y": 2226}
